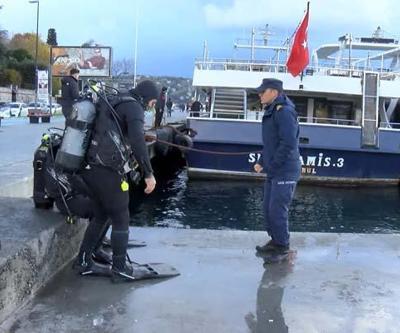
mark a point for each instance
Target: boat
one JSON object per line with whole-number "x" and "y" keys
{"x": 347, "y": 100}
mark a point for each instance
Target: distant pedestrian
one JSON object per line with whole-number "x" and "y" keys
{"x": 169, "y": 107}
{"x": 69, "y": 91}
{"x": 281, "y": 162}
{"x": 195, "y": 109}
{"x": 160, "y": 106}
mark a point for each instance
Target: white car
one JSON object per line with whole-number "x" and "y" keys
{"x": 18, "y": 109}
{"x": 5, "y": 111}
{"x": 55, "y": 108}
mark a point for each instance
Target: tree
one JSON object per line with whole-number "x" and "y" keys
{"x": 19, "y": 54}
{"x": 89, "y": 43}
{"x": 3, "y": 36}
{"x": 52, "y": 37}
{"x": 56, "y": 87}
{"x": 124, "y": 66}
{"x": 27, "y": 41}
{"x": 10, "y": 76}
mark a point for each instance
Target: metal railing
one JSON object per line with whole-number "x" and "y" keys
{"x": 385, "y": 124}
{"x": 280, "y": 67}
{"x": 331, "y": 121}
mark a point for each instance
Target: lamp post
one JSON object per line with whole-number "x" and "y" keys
{"x": 36, "y": 50}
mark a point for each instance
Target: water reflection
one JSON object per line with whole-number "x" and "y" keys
{"x": 237, "y": 205}
{"x": 269, "y": 316}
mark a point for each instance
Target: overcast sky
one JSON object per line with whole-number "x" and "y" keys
{"x": 171, "y": 32}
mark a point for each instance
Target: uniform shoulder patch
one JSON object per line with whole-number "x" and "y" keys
{"x": 278, "y": 107}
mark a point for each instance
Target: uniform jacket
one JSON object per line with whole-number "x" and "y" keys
{"x": 280, "y": 134}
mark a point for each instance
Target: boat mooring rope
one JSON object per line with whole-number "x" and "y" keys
{"x": 204, "y": 151}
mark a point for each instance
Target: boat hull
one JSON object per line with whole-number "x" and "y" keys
{"x": 224, "y": 157}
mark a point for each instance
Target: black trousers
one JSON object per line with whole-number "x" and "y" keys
{"x": 159, "y": 116}
{"x": 110, "y": 202}
{"x": 79, "y": 205}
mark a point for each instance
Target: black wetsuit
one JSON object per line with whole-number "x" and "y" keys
{"x": 107, "y": 184}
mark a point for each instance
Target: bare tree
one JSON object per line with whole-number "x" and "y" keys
{"x": 123, "y": 66}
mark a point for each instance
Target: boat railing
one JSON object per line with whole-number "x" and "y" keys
{"x": 331, "y": 121}
{"x": 255, "y": 115}
{"x": 389, "y": 125}
{"x": 275, "y": 66}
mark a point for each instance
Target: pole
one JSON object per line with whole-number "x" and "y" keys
{"x": 36, "y": 53}
{"x": 50, "y": 80}
{"x": 253, "y": 34}
{"x": 136, "y": 44}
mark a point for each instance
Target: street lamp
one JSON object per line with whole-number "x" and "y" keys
{"x": 36, "y": 50}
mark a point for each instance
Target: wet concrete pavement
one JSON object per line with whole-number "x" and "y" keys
{"x": 335, "y": 284}
{"x": 18, "y": 141}
{"x": 338, "y": 283}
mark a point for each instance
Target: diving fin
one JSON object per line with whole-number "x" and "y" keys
{"x": 137, "y": 272}
{"x": 131, "y": 243}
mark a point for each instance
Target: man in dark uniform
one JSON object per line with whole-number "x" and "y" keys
{"x": 160, "y": 105}
{"x": 107, "y": 157}
{"x": 69, "y": 91}
{"x": 195, "y": 109}
{"x": 280, "y": 160}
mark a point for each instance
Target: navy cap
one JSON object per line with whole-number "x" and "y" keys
{"x": 270, "y": 83}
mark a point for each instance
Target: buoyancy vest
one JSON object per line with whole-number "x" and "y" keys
{"x": 107, "y": 148}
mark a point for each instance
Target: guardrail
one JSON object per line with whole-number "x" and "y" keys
{"x": 280, "y": 67}
{"x": 333, "y": 121}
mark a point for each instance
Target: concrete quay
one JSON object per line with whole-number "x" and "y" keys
{"x": 337, "y": 283}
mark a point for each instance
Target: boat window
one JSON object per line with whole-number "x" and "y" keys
{"x": 301, "y": 105}
{"x": 253, "y": 102}
{"x": 333, "y": 112}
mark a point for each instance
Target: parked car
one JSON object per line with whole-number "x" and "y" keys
{"x": 5, "y": 111}
{"x": 18, "y": 109}
{"x": 55, "y": 108}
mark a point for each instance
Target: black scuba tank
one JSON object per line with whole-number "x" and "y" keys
{"x": 71, "y": 154}
{"x": 40, "y": 197}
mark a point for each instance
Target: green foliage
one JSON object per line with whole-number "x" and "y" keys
{"x": 56, "y": 86}
{"x": 10, "y": 76}
{"x": 19, "y": 54}
{"x": 27, "y": 41}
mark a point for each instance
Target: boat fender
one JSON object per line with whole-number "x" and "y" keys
{"x": 183, "y": 140}
{"x": 164, "y": 134}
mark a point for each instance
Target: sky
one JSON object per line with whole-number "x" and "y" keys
{"x": 171, "y": 33}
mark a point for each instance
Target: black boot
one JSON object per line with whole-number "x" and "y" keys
{"x": 102, "y": 256}
{"x": 122, "y": 271}
{"x": 85, "y": 265}
{"x": 276, "y": 256}
{"x": 271, "y": 246}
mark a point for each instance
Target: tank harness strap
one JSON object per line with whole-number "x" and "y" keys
{"x": 80, "y": 125}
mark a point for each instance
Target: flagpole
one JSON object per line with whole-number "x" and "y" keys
{"x": 302, "y": 72}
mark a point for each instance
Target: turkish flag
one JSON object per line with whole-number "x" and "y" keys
{"x": 298, "y": 58}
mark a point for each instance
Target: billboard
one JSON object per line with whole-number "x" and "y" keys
{"x": 43, "y": 86}
{"x": 91, "y": 61}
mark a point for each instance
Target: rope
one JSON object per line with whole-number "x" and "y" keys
{"x": 211, "y": 152}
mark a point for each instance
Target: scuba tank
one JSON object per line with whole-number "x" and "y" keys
{"x": 71, "y": 154}
{"x": 40, "y": 195}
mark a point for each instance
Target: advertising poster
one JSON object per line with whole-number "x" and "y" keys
{"x": 91, "y": 61}
{"x": 43, "y": 86}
